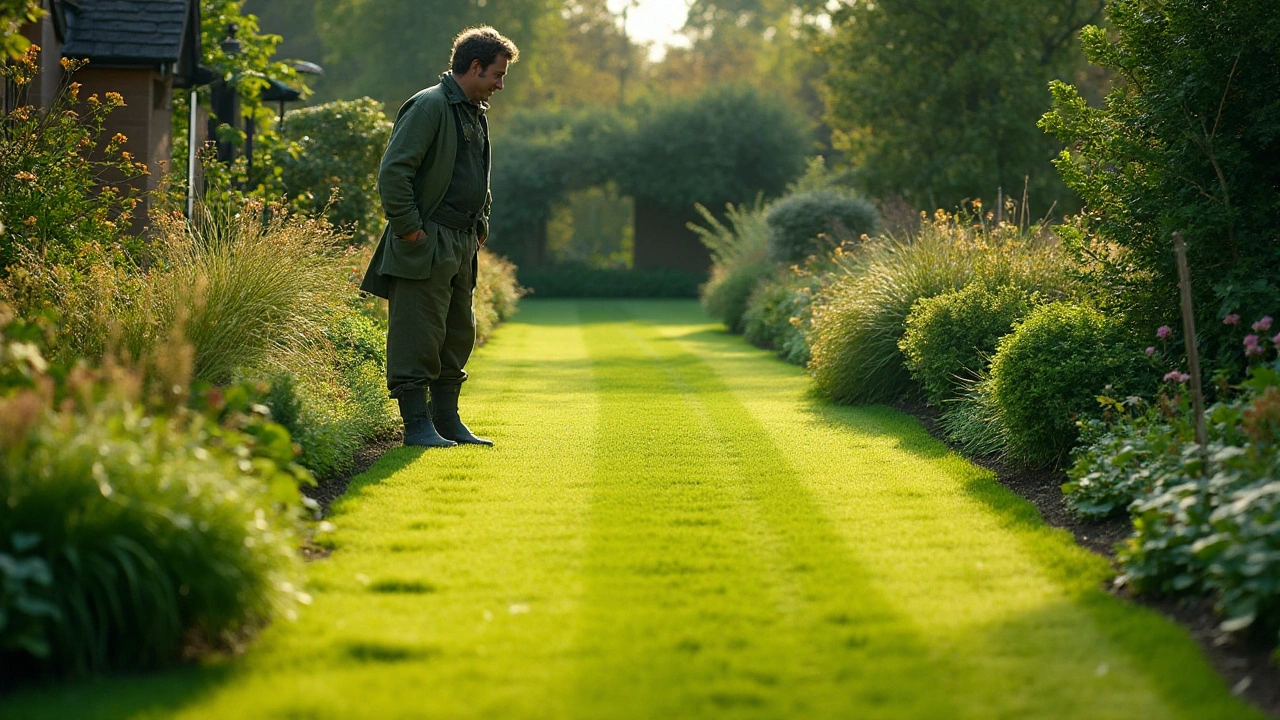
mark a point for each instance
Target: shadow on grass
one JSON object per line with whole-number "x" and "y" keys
{"x": 159, "y": 695}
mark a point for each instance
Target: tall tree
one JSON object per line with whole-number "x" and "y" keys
{"x": 936, "y": 101}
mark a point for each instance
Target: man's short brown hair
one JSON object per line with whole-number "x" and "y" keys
{"x": 481, "y": 43}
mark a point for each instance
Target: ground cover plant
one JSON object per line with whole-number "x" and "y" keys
{"x": 782, "y": 557}
{"x": 1203, "y": 517}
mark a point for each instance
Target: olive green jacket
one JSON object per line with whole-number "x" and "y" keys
{"x": 412, "y": 180}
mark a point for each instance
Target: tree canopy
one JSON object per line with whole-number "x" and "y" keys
{"x": 937, "y": 102}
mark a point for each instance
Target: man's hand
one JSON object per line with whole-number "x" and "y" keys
{"x": 414, "y": 236}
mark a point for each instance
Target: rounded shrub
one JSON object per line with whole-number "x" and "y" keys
{"x": 1050, "y": 371}
{"x": 797, "y": 221}
{"x": 950, "y": 337}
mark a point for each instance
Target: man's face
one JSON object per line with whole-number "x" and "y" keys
{"x": 485, "y": 82}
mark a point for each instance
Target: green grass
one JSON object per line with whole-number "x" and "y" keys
{"x": 672, "y": 526}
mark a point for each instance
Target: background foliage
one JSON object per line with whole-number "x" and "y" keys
{"x": 1190, "y": 141}
{"x": 937, "y": 102}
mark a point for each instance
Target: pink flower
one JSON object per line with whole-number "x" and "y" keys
{"x": 1175, "y": 376}
{"x": 1232, "y": 319}
{"x": 1262, "y": 325}
{"x": 1251, "y": 347}
{"x": 1276, "y": 340}
{"x": 1151, "y": 351}
{"x": 1164, "y": 331}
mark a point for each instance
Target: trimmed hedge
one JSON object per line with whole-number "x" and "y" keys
{"x": 579, "y": 281}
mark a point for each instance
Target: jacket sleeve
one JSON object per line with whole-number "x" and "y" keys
{"x": 411, "y": 138}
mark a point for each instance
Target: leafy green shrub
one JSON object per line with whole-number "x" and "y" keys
{"x": 55, "y": 195}
{"x": 861, "y": 316}
{"x": 573, "y": 280}
{"x": 1176, "y": 147}
{"x": 951, "y": 336}
{"x": 779, "y": 313}
{"x": 496, "y": 295}
{"x": 1049, "y": 372}
{"x": 336, "y": 146}
{"x": 153, "y": 529}
{"x": 797, "y": 221}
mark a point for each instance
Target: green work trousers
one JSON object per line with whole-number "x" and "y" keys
{"x": 432, "y": 327}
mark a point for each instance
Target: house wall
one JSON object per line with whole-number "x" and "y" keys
{"x": 663, "y": 239}
{"x": 145, "y": 119}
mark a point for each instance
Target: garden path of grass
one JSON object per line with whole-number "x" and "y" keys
{"x": 671, "y": 526}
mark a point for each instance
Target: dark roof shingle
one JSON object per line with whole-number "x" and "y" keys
{"x": 130, "y": 32}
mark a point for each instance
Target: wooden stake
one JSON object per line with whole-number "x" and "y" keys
{"x": 1193, "y": 350}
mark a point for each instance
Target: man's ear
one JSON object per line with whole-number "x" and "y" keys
{"x": 477, "y": 68}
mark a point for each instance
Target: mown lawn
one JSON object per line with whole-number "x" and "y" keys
{"x": 672, "y": 526}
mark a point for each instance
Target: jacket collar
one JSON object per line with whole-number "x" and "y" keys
{"x": 455, "y": 94}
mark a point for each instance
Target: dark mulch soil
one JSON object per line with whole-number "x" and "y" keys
{"x": 330, "y": 489}
{"x": 1245, "y": 663}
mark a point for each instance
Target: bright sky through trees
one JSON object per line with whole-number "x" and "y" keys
{"x": 655, "y": 21}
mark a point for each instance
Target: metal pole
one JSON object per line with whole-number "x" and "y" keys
{"x": 191, "y": 155}
{"x": 1193, "y": 351}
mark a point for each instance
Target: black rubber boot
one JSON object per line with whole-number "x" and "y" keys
{"x": 444, "y": 415}
{"x": 418, "y": 430}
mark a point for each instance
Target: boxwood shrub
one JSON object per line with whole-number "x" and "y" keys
{"x": 949, "y": 338}
{"x": 797, "y": 221}
{"x": 1048, "y": 373}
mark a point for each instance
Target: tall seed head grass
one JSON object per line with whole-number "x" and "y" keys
{"x": 860, "y": 318}
{"x": 249, "y": 289}
{"x": 740, "y": 256}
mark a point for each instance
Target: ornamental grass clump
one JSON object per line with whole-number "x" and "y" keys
{"x": 861, "y": 317}
{"x": 740, "y": 260}
{"x": 249, "y": 289}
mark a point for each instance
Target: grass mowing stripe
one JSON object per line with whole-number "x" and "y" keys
{"x": 818, "y": 640}
{"x": 1015, "y": 602}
